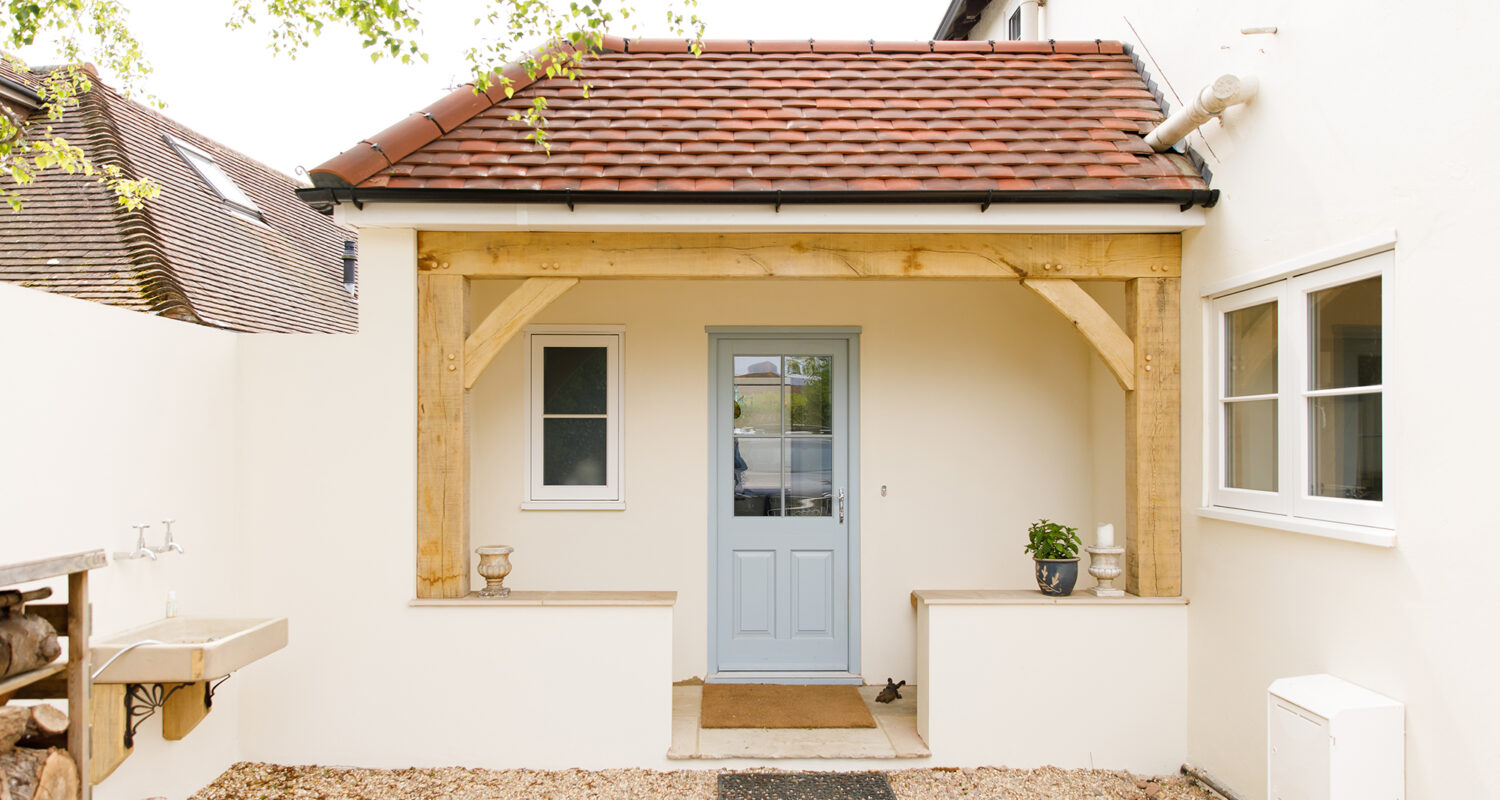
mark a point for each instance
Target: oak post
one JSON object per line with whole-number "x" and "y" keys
{"x": 80, "y": 683}
{"x": 1153, "y": 423}
{"x": 442, "y": 437}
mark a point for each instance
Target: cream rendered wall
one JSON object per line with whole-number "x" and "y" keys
{"x": 1353, "y": 134}
{"x": 110, "y": 418}
{"x": 975, "y": 412}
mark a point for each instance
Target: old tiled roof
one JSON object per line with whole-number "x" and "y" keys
{"x": 1038, "y": 120}
{"x": 184, "y": 255}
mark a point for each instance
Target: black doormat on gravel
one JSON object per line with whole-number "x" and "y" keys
{"x": 805, "y": 786}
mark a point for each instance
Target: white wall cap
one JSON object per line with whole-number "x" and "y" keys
{"x": 1327, "y": 696}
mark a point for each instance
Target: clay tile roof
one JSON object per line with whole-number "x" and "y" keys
{"x": 795, "y": 116}
{"x": 185, "y": 254}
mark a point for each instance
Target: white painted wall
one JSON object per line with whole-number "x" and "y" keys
{"x": 111, "y": 417}
{"x": 1353, "y": 134}
{"x": 975, "y": 412}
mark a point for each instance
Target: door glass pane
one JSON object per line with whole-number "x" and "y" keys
{"x": 1344, "y": 326}
{"x": 757, "y": 476}
{"x": 573, "y": 451}
{"x": 809, "y": 477}
{"x": 1346, "y": 447}
{"x": 1250, "y": 445}
{"x": 757, "y": 395}
{"x": 575, "y": 380}
{"x": 809, "y": 394}
{"x": 1250, "y": 350}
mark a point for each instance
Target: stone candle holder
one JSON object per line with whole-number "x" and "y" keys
{"x": 1104, "y": 565}
{"x": 494, "y": 565}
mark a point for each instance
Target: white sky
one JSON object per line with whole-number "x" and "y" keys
{"x": 228, "y": 86}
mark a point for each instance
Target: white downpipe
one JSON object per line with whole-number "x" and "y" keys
{"x": 1227, "y": 91}
{"x": 1031, "y": 30}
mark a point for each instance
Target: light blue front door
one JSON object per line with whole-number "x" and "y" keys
{"x": 782, "y": 505}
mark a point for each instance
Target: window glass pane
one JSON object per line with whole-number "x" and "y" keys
{"x": 573, "y": 451}
{"x": 809, "y": 477}
{"x": 1346, "y": 447}
{"x": 575, "y": 380}
{"x": 1250, "y": 445}
{"x": 757, "y": 477}
{"x": 1344, "y": 329}
{"x": 757, "y": 395}
{"x": 220, "y": 182}
{"x": 809, "y": 394}
{"x": 1250, "y": 350}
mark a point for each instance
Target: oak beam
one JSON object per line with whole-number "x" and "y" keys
{"x": 442, "y": 437}
{"x": 822, "y": 256}
{"x": 513, "y": 313}
{"x": 1097, "y": 326}
{"x": 1153, "y": 425}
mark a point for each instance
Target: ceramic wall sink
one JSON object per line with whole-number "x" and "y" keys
{"x": 192, "y": 649}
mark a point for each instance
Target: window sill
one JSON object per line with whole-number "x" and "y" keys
{"x": 573, "y": 505}
{"x": 566, "y": 598}
{"x": 1359, "y": 534}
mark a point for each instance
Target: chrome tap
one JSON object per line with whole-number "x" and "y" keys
{"x": 141, "y": 550}
{"x": 168, "y": 544}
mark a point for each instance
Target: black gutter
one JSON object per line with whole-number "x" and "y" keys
{"x": 24, "y": 94}
{"x": 1183, "y": 198}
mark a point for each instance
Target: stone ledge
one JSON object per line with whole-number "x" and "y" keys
{"x": 1031, "y": 597}
{"x": 559, "y": 598}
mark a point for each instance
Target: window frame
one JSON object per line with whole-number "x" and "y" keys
{"x": 1293, "y": 506}
{"x": 537, "y": 495}
{"x": 188, "y": 152}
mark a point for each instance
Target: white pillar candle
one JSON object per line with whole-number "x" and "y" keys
{"x": 1106, "y": 537}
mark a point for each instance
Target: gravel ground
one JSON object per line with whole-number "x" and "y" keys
{"x": 250, "y": 781}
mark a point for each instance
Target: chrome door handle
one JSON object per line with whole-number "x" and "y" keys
{"x": 841, "y": 506}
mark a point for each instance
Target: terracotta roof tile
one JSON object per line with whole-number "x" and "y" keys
{"x": 799, "y": 115}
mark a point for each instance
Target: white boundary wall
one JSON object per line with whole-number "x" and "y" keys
{"x": 112, "y": 417}
{"x": 1077, "y": 684}
{"x": 1353, "y": 135}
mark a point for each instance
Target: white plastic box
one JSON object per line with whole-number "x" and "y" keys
{"x": 1327, "y": 739}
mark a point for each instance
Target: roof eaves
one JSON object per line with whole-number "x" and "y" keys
{"x": 960, "y": 19}
{"x": 1184, "y": 198}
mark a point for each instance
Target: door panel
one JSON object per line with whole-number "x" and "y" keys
{"x": 812, "y": 595}
{"x": 755, "y": 593}
{"x": 782, "y": 540}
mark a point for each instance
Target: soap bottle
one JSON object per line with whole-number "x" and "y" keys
{"x": 171, "y": 604}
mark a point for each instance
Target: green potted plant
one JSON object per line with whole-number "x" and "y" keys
{"x": 1054, "y": 548}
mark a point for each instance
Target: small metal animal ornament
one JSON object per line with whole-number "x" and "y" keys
{"x": 890, "y": 692}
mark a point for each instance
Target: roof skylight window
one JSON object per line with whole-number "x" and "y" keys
{"x": 203, "y": 164}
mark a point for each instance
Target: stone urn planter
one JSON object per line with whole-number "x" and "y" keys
{"x": 494, "y": 565}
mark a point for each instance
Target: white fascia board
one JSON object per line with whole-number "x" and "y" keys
{"x": 923, "y": 218}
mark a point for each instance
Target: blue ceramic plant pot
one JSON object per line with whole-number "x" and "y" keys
{"x": 1056, "y": 576}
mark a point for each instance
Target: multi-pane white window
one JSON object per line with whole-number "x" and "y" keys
{"x": 574, "y": 438}
{"x": 1298, "y": 412}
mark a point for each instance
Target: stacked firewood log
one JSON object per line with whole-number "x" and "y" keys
{"x": 33, "y": 765}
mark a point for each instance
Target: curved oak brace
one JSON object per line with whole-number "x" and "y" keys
{"x": 518, "y": 308}
{"x": 1096, "y": 325}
